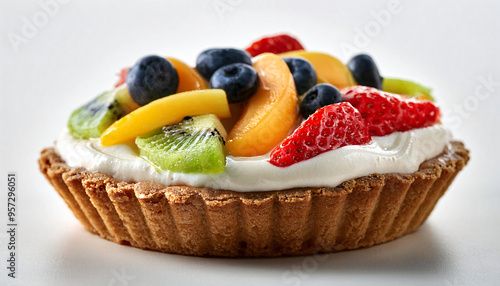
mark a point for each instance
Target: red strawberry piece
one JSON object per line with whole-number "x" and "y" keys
{"x": 123, "y": 77}
{"x": 417, "y": 114}
{"x": 329, "y": 128}
{"x": 385, "y": 113}
{"x": 276, "y": 45}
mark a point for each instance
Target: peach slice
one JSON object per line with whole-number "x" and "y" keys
{"x": 166, "y": 111}
{"x": 189, "y": 78}
{"x": 327, "y": 67}
{"x": 270, "y": 113}
{"x": 236, "y": 110}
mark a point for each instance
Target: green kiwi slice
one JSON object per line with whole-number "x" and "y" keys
{"x": 195, "y": 145}
{"x": 410, "y": 88}
{"x": 91, "y": 119}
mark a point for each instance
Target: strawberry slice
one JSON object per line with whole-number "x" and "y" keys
{"x": 276, "y": 45}
{"x": 329, "y": 128}
{"x": 385, "y": 113}
{"x": 123, "y": 77}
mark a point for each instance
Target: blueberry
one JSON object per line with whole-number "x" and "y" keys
{"x": 212, "y": 59}
{"x": 365, "y": 71}
{"x": 239, "y": 81}
{"x": 319, "y": 96}
{"x": 151, "y": 78}
{"x": 303, "y": 73}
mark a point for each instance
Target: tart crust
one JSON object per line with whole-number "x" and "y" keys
{"x": 206, "y": 222}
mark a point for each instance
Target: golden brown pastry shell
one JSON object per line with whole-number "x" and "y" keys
{"x": 206, "y": 222}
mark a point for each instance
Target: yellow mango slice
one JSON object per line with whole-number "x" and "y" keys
{"x": 166, "y": 111}
{"x": 189, "y": 78}
{"x": 328, "y": 68}
{"x": 269, "y": 114}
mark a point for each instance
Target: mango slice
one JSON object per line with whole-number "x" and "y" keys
{"x": 166, "y": 111}
{"x": 328, "y": 68}
{"x": 189, "y": 78}
{"x": 270, "y": 113}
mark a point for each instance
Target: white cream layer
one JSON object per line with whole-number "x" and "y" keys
{"x": 400, "y": 152}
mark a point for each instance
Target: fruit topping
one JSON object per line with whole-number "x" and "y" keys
{"x": 236, "y": 110}
{"x": 166, "y": 111}
{"x": 189, "y": 78}
{"x": 122, "y": 77}
{"x": 319, "y": 96}
{"x": 212, "y": 59}
{"x": 269, "y": 114}
{"x": 90, "y": 120}
{"x": 178, "y": 127}
{"x": 239, "y": 81}
{"x": 151, "y": 78}
{"x": 276, "y": 45}
{"x": 328, "y": 68}
{"x": 365, "y": 71}
{"x": 329, "y": 128}
{"x": 303, "y": 73}
{"x": 406, "y": 87}
{"x": 385, "y": 113}
{"x": 194, "y": 145}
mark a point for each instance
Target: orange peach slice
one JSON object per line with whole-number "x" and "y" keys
{"x": 328, "y": 68}
{"x": 189, "y": 78}
{"x": 236, "y": 110}
{"x": 270, "y": 113}
{"x": 166, "y": 111}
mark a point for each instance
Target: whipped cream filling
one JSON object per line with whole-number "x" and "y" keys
{"x": 399, "y": 152}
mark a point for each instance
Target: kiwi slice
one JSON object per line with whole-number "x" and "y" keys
{"x": 410, "y": 88}
{"x": 90, "y": 120}
{"x": 195, "y": 145}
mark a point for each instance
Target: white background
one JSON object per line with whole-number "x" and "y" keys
{"x": 452, "y": 46}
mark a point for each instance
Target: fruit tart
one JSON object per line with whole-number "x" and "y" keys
{"x": 269, "y": 151}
